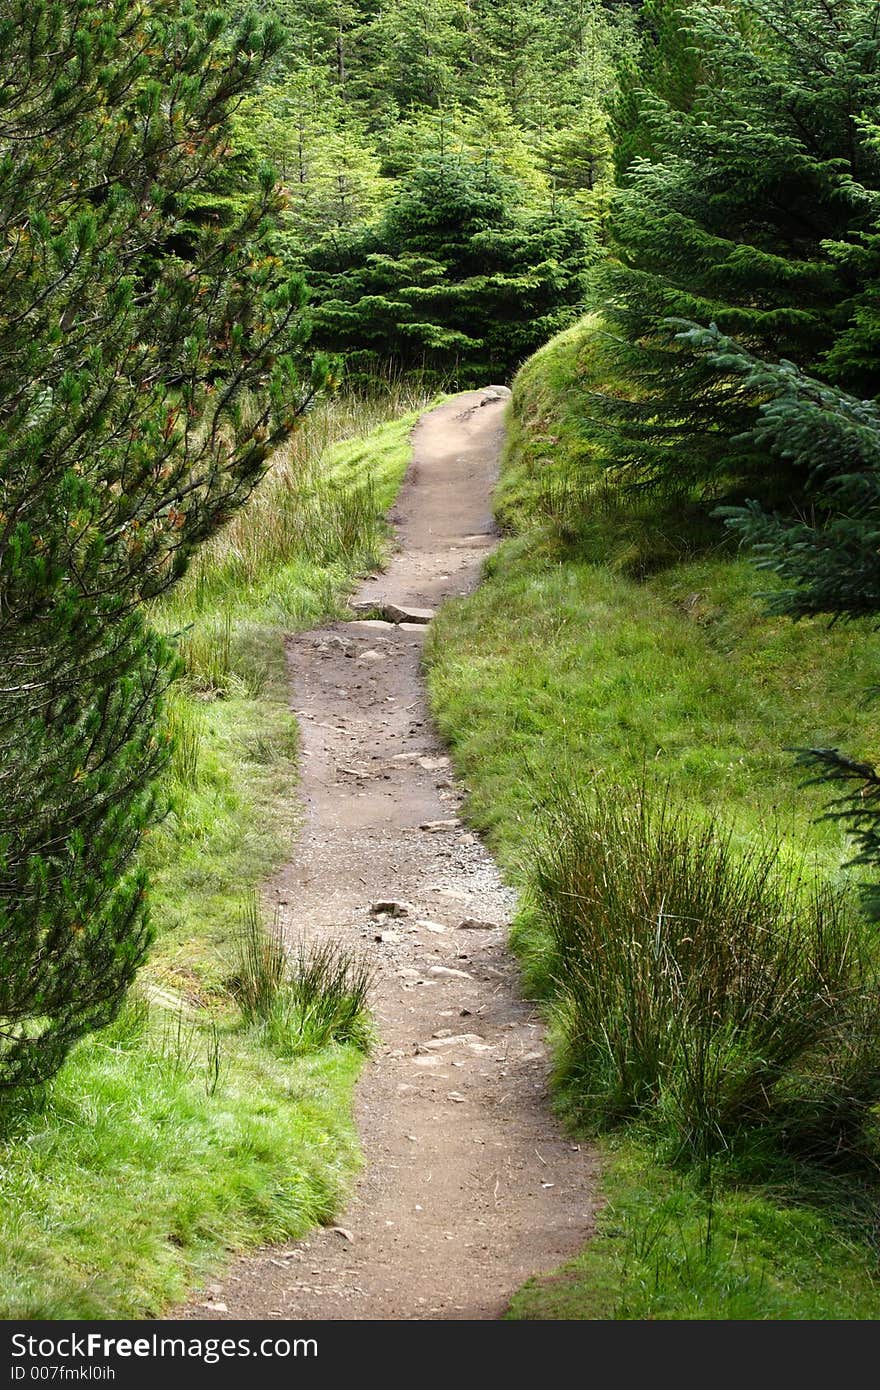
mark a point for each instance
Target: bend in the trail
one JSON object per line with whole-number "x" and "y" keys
{"x": 469, "y": 1185}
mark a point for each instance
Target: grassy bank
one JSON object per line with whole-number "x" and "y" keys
{"x": 182, "y": 1133}
{"x": 620, "y": 648}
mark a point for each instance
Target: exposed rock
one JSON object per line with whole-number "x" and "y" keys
{"x": 391, "y": 907}
{"x": 435, "y": 826}
{"x": 371, "y": 655}
{"x": 458, "y": 1040}
{"x": 446, "y": 972}
{"x": 397, "y": 613}
{"x": 433, "y": 764}
{"x": 425, "y": 925}
{"x": 475, "y": 924}
{"x": 370, "y": 625}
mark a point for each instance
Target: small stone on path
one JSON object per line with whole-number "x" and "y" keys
{"x": 391, "y": 907}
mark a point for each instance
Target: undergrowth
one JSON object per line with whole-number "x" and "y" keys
{"x": 686, "y": 918}
{"x": 184, "y": 1131}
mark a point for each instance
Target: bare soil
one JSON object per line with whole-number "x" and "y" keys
{"x": 469, "y": 1185}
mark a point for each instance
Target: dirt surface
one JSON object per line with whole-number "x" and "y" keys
{"x": 468, "y": 1186}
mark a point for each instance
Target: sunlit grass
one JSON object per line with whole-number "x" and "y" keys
{"x": 619, "y": 643}
{"x": 182, "y": 1132}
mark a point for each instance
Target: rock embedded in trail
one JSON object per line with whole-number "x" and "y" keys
{"x": 370, "y": 625}
{"x": 474, "y": 924}
{"x": 391, "y": 907}
{"x": 397, "y": 613}
{"x": 457, "y": 1040}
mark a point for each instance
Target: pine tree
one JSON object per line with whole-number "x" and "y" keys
{"x": 751, "y": 214}
{"x": 329, "y": 175}
{"x": 144, "y": 377}
{"x": 454, "y": 278}
{"x": 414, "y": 53}
{"x": 511, "y": 44}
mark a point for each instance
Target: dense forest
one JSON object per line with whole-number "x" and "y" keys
{"x": 228, "y": 234}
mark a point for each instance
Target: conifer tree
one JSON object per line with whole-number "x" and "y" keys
{"x": 454, "y": 278}
{"x": 328, "y": 173}
{"x": 145, "y": 374}
{"x": 750, "y": 213}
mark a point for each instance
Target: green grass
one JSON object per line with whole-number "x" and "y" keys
{"x": 670, "y": 1249}
{"x": 181, "y": 1133}
{"x": 614, "y": 642}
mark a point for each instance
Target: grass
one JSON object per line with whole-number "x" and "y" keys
{"x": 704, "y": 990}
{"x": 303, "y": 999}
{"x": 615, "y": 643}
{"x": 670, "y": 1249}
{"x": 182, "y": 1132}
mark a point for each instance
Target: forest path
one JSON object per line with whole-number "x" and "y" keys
{"x": 469, "y": 1186}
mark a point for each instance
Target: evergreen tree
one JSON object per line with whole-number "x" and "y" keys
{"x": 328, "y": 172}
{"x": 751, "y": 214}
{"x": 414, "y": 52}
{"x": 511, "y": 42}
{"x": 828, "y": 555}
{"x": 144, "y": 377}
{"x": 454, "y": 278}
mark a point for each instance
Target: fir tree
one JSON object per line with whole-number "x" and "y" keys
{"x": 454, "y": 278}
{"x": 751, "y": 213}
{"x": 144, "y": 376}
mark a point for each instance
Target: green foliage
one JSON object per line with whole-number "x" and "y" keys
{"x": 827, "y": 557}
{"x": 754, "y": 209}
{"x": 620, "y": 646}
{"x": 708, "y": 989}
{"x": 453, "y": 279}
{"x": 129, "y": 353}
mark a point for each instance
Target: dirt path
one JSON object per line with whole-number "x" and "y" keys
{"x": 468, "y": 1186}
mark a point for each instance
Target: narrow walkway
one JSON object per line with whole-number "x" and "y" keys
{"x": 469, "y": 1186}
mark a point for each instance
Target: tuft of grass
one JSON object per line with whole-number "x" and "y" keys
{"x": 177, "y": 1135}
{"x": 712, "y": 991}
{"x": 262, "y": 962}
{"x": 327, "y": 998}
{"x": 304, "y": 999}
